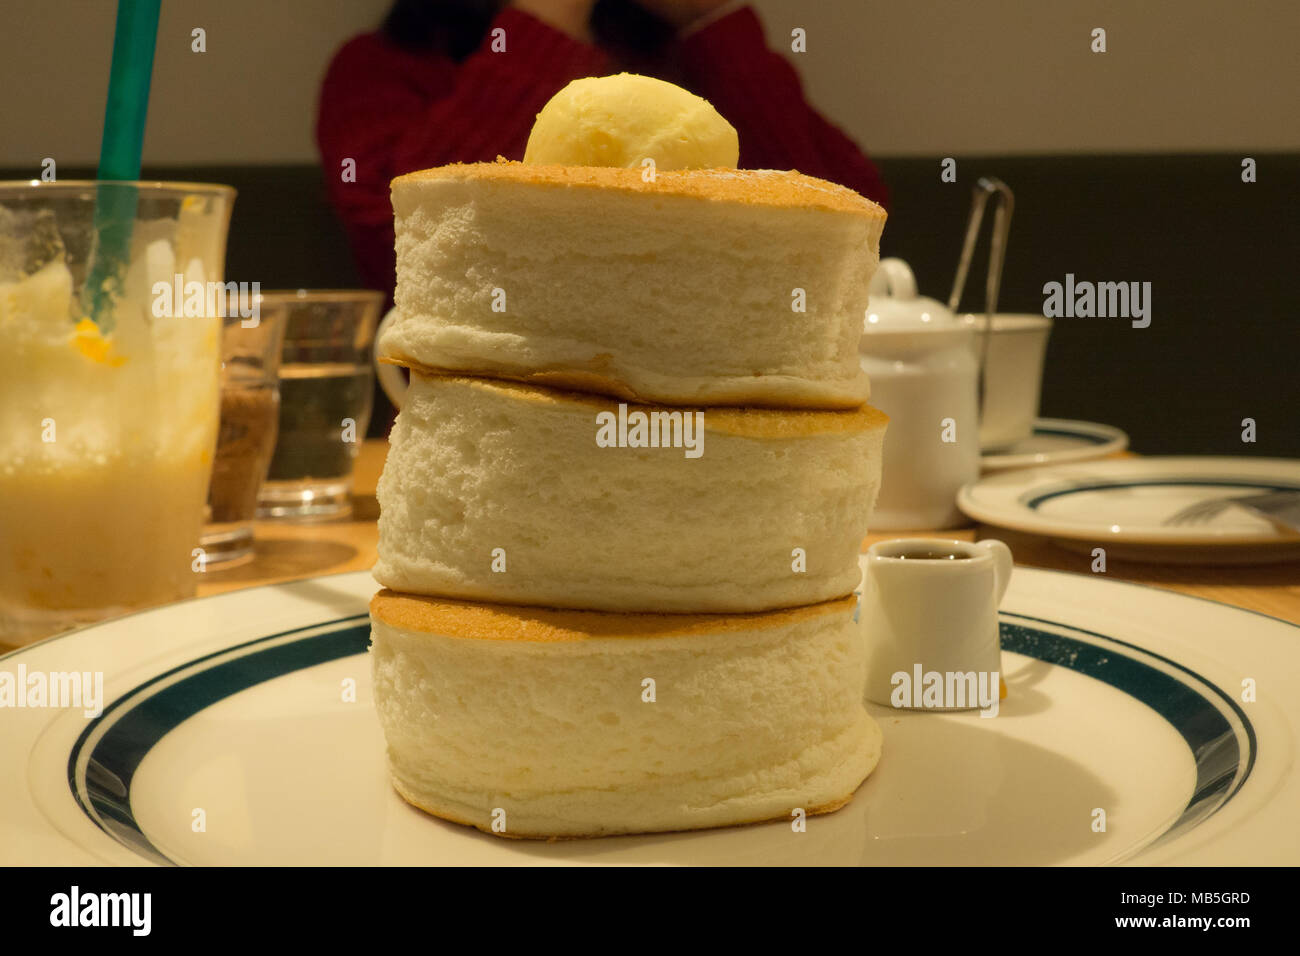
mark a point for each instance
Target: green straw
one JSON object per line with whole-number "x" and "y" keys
{"x": 119, "y": 155}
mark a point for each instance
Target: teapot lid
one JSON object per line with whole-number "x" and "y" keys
{"x": 895, "y": 306}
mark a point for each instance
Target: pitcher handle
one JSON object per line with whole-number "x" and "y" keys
{"x": 1002, "y": 563}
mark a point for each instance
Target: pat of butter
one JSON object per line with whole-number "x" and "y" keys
{"x": 625, "y": 119}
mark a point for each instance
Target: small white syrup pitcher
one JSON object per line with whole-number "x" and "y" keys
{"x": 929, "y": 617}
{"x": 921, "y": 362}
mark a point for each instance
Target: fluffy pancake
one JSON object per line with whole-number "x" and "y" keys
{"x": 700, "y": 287}
{"x": 500, "y": 492}
{"x": 540, "y": 720}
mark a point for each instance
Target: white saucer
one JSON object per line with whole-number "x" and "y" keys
{"x": 1121, "y": 505}
{"x": 1122, "y": 699}
{"x": 1057, "y": 440}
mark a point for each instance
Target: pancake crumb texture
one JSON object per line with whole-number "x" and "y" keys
{"x": 475, "y": 467}
{"x": 668, "y": 292}
{"x": 746, "y": 725}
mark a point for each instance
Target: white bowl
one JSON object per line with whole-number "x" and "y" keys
{"x": 1014, "y": 376}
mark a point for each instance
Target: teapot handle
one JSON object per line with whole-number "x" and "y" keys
{"x": 894, "y": 278}
{"x": 391, "y": 378}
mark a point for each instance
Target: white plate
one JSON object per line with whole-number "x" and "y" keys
{"x": 1057, "y": 440}
{"x": 1121, "y": 698}
{"x": 1121, "y": 505}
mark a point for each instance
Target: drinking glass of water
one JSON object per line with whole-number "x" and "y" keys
{"x": 326, "y": 382}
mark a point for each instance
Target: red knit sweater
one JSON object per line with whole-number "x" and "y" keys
{"x": 393, "y": 111}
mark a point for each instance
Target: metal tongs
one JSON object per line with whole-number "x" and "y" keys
{"x": 985, "y": 187}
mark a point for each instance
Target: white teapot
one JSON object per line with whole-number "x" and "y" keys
{"x": 921, "y": 361}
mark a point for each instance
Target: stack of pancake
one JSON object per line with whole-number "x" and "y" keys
{"x": 622, "y": 508}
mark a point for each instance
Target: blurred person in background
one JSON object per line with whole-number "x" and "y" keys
{"x": 427, "y": 90}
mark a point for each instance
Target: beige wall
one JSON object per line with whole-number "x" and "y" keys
{"x": 1017, "y": 76}
{"x": 251, "y": 98}
{"x": 904, "y": 77}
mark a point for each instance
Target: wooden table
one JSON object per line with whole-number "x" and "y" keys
{"x": 288, "y": 551}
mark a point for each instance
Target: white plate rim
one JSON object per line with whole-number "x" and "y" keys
{"x": 1001, "y": 498}
{"x": 1157, "y": 594}
{"x": 1104, "y": 440}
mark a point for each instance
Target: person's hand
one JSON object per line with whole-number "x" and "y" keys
{"x": 568, "y": 16}
{"x": 681, "y": 13}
